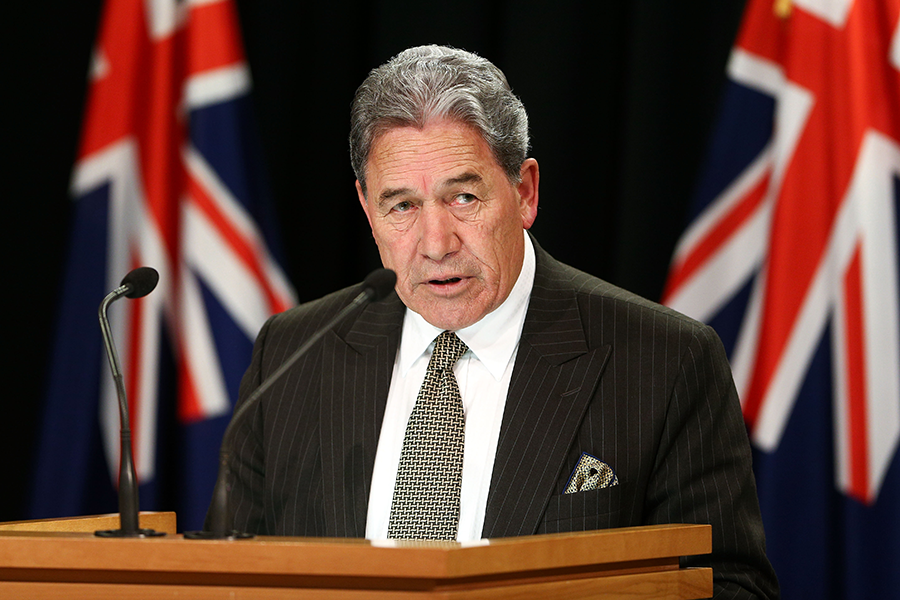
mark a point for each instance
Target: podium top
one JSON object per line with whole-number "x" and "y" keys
{"x": 661, "y": 544}
{"x": 638, "y": 562}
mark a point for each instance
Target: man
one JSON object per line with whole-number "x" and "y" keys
{"x": 571, "y": 404}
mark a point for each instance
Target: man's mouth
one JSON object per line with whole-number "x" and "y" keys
{"x": 444, "y": 281}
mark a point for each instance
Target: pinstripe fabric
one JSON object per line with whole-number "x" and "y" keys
{"x": 303, "y": 463}
{"x": 598, "y": 370}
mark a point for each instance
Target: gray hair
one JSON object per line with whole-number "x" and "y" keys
{"x": 428, "y": 83}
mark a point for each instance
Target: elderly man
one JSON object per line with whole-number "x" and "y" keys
{"x": 498, "y": 392}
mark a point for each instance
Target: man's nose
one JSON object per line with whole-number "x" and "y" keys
{"x": 438, "y": 235}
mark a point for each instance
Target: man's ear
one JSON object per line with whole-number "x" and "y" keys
{"x": 528, "y": 191}
{"x": 363, "y": 202}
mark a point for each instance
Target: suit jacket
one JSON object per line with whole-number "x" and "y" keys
{"x": 598, "y": 370}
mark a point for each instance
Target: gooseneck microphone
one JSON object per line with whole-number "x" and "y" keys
{"x": 137, "y": 284}
{"x": 376, "y": 286}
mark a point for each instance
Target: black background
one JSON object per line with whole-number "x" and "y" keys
{"x": 621, "y": 97}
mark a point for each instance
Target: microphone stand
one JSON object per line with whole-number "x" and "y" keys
{"x": 128, "y": 490}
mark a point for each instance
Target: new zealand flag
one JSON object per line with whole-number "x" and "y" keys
{"x": 167, "y": 176}
{"x": 792, "y": 256}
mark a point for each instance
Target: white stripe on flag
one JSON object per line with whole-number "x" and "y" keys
{"x": 831, "y": 11}
{"x": 217, "y": 85}
{"x": 198, "y": 346}
{"x": 870, "y": 206}
{"x": 216, "y": 262}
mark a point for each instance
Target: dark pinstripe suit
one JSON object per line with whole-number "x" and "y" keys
{"x": 598, "y": 370}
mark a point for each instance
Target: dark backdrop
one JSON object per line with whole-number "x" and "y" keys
{"x": 621, "y": 97}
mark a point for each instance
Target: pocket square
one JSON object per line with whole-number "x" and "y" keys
{"x": 590, "y": 473}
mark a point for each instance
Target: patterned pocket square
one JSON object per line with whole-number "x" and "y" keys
{"x": 590, "y": 473}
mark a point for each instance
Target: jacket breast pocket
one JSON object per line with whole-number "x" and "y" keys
{"x": 584, "y": 511}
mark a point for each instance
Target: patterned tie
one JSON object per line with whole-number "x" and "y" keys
{"x": 426, "y": 494}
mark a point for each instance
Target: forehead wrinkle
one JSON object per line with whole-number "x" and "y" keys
{"x": 456, "y": 153}
{"x": 467, "y": 177}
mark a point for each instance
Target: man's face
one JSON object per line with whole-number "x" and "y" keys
{"x": 447, "y": 220}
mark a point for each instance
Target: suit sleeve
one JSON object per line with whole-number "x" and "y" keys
{"x": 703, "y": 472}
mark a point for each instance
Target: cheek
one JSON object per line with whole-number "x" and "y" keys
{"x": 505, "y": 236}
{"x": 500, "y": 249}
{"x": 395, "y": 249}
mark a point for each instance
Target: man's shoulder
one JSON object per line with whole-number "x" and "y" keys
{"x": 599, "y": 298}
{"x": 313, "y": 313}
{"x": 375, "y": 318}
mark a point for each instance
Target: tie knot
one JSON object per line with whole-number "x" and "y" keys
{"x": 447, "y": 350}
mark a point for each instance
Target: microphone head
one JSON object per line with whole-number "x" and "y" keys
{"x": 140, "y": 282}
{"x": 379, "y": 283}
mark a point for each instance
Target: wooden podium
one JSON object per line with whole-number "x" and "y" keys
{"x": 639, "y": 562}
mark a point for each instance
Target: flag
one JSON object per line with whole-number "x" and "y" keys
{"x": 791, "y": 254}
{"x": 168, "y": 176}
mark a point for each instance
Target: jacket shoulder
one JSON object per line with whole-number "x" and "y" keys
{"x": 597, "y": 296}
{"x": 314, "y": 313}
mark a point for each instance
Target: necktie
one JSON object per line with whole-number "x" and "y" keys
{"x": 426, "y": 494}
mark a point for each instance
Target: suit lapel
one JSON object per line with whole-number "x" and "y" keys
{"x": 555, "y": 376}
{"x": 356, "y": 372}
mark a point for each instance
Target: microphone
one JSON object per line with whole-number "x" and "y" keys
{"x": 137, "y": 284}
{"x": 376, "y": 286}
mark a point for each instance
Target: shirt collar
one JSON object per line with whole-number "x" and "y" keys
{"x": 493, "y": 339}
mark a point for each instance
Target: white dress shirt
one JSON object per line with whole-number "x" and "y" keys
{"x": 483, "y": 374}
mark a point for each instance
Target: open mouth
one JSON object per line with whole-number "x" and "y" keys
{"x": 445, "y": 281}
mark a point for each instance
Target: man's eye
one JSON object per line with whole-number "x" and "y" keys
{"x": 402, "y": 207}
{"x": 465, "y": 198}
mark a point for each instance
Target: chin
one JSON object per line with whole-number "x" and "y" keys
{"x": 456, "y": 323}
{"x": 451, "y": 313}
{"x": 447, "y": 321}
{"x": 440, "y": 321}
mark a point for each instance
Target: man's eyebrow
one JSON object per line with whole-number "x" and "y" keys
{"x": 389, "y": 194}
